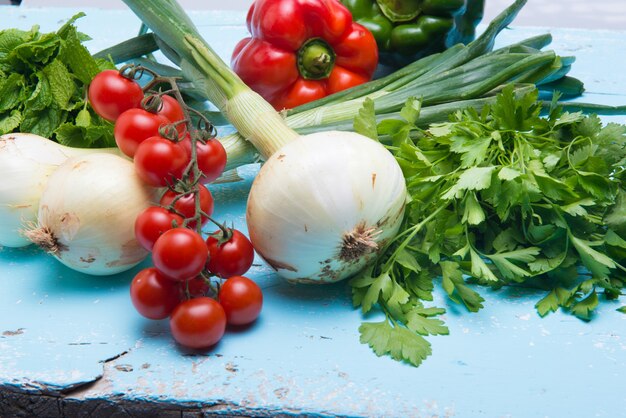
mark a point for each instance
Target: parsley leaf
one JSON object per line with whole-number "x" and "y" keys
{"x": 400, "y": 343}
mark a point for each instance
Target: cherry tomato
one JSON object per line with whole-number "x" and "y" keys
{"x": 241, "y": 299}
{"x": 134, "y": 126}
{"x": 111, "y": 94}
{"x": 159, "y": 161}
{"x": 211, "y": 158}
{"x": 198, "y": 323}
{"x": 196, "y": 286}
{"x": 186, "y": 205}
{"x": 233, "y": 257}
{"x": 172, "y": 110}
{"x": 153, "y": 295}
{"x": 152, "y": 222}
{"x": 180, "y": 254}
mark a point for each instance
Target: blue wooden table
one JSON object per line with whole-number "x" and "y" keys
{"x": 73, "y": 345}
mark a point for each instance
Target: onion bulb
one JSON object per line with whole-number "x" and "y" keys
{"x": 87, "y": 213}
{"x": 26, "y": 162}
{"x": 324, "y": 204}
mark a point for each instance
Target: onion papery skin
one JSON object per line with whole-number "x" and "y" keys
{"x": 87, "y": 213}
{"x": 318, "y": 193}
{"x": 26, "y": 163}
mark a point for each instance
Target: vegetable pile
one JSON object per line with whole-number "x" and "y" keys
{"x": 444, "y": 171}
{"x": 498, "y": 195}
{"x": 43, "y": 77}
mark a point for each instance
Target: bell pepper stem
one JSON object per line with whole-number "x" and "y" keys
{"x": 316, "y": 59}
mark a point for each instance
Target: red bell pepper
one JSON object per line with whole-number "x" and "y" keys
{"x": 302, "y": 50}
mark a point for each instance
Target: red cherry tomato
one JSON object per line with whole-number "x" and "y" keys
{"x": 196, "y": 286}
{"x": 211, "y": 158}
{"x": 134, "y": 126}
{"x": 180, "y": 254}
{"x": 111, "y": 94}
{"x": 186, "y": 205}
{"x": 233, "y": 257}
{"x": 153, "y": 295}
{"x": 198, "y": 323}
{"x": 159, "y": 161}
{"x": 241, "y": 299}
{"x": 152, "y": 222}
{"x": 172, "y": 110}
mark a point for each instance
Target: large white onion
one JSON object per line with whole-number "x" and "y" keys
{"x": 323, "y": 205}
{"x": 26, "y": 162}
{"x": 87, "y": 214}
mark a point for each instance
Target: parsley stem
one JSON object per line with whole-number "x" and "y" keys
{"x": 412, "y": 231}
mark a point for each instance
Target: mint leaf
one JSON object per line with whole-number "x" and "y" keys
{"x": 38, "y": 51}
{"x": 13, "y": 91}
{"x": 42, "y": 122}
{"x": 77, "y": 58}
{"x": 10, "y": 39}
{"x": 41, "y": 97}
{"x": 398, "y": 342}
{"x": 10, "y": 121}
{"x": 62, "y": 86}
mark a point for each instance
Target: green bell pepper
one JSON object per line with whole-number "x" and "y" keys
{"x": 406, "y": 30}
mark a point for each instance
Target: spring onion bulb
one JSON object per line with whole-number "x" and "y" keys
{"x": 324, "y": 204}
{"x": 26, "y": 162}
{"x": 87, "y": 213}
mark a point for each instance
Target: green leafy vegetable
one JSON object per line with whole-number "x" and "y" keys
{"x": 43, "y": 79}
{"x": 501, "y": 196}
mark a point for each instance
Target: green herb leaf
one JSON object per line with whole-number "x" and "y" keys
{"x": 457, "y": 290}
{"x": 10, "y": 121}
{"x": 381, "y": 286}
{"x": 424, "y": 325}
{"x": 365, "y": 122}
{"x": 398, "y": 342}
{"x": 584, "y": 308}
{"x": 411, "y": 110}
{"x": 62, "y": 85}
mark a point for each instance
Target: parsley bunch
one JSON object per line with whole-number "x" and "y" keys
{"x": 499, "y": 196}
{"x": 43, "y": 81}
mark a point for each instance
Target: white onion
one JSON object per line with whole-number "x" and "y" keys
{"x": 26, "y": 162}
{"x": 324, "y": 204}
{"x": 87, "y": 214}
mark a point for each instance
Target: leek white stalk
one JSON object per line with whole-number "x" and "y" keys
{"x": 87, "y": 214}
{"x": 321, "y": 206}
{"x": 26, "y": 162}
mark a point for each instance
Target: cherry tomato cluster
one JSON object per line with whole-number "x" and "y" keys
{"x": 198, "y": 283}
